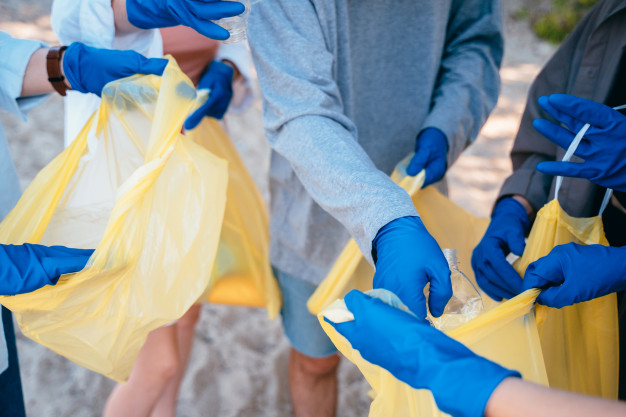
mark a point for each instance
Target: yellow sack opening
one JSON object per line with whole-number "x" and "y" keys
{"x": 150, "y": 200}
{"x": 506, "y": 334}
{"x": 243, "y": 274}
{"x": 450, "y": 225}
{"x": 580, "y": 343}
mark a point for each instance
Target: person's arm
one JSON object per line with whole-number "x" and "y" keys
{"x": 238, "y": 56}
{"x": 17, "y": 54}
{"x": 86, "y": 69}
{"x": 122, "y": 25}
{"x": 518, "y": 398}
{"x": 36, "y": 75}
{"x": 102, "y": 24}
{"x": 305, "y": 122}
{"x": 468, "y": 83}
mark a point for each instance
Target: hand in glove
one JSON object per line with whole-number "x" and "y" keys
{"x": 603, "y": 147}
{"x": 196, "y": 14}
{"x": 26, "y": 268}
{"x": 574, "y": 273}
{"x": 505, "y": 234}
{"x": 89, "y": 69}
{"x": 422, "y": 356}
{"x": 218, "y": 79}
{"x": 431, "y": 150}
{"x": 407, "y": 258}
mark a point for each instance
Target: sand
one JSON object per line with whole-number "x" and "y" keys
{"x": 239, "y": 359}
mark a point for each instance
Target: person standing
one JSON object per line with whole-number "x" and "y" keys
{"x": 350, "y": 89}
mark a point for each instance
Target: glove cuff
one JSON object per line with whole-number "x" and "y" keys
{"x": 399, "y": 223}
{"x": 509, "y": 206}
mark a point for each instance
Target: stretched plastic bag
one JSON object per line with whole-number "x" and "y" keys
{"x": 150, "y": 200}
{"x": 580, "y": 342}
{"x": 450, "y": 225}
{"x": 243, "y": 274}
{"x": 506, "y": 334}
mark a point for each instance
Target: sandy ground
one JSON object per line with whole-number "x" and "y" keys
{"x": 239, "y": 359}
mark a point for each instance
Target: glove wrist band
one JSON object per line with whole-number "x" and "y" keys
{"x": 53, "y": 65}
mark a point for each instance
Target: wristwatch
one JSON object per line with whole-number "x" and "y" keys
{"x": 53, "y": 64}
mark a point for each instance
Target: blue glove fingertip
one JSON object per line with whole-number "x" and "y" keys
{"x": 154, "y": 66}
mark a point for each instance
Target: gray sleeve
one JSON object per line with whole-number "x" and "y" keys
{"x": 304, "y": 121}
{"x": 468, "y": 83}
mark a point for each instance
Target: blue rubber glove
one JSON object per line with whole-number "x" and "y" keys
{"x": 603, "y": 147}
{"x": 422, "y": 356}
{"x": 505, "y": 234}
{"x": 196, "y": 14}
{"x": 26, "y": 268}
{"x": 407, "y": 258}
{"x": 89, "y": 69}
{"x": 574, "y": 273}
{"x": 218, "y": 78}
{"x": 431, "y": 151}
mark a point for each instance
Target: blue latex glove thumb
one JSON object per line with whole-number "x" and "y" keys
{"x": 421, "y": 356}
{"x": 218, "y": 79}
{"x": 407, "y": 258}
{"x": 196, "y": 14}
{"x": 89, "y": 69}
{"x": 575, "y": 273}
{"x": 431, "y": 150}
{"x": 26, "y": 268}
{"x": 505, "y": 234}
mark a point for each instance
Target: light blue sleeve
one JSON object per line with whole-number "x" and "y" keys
{"x": 15, "y": 56}
{"x": 469, "y": 81}
{"x": 305, "y": 122}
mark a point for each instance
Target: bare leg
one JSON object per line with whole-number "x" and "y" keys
{"x": 156, "y": 365}
{"x": 313, "y": 384}
{"x": 185, "y": 328}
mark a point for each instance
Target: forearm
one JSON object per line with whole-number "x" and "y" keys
{"x": 518, "y": 398}
{"x": 36, "y": 75}
{"x": 524, "y": 202}
{"x": 122, "y": 25}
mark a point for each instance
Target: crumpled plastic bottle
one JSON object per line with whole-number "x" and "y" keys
{"x": 466, "y": 302}
{"x": 236, "y": 25}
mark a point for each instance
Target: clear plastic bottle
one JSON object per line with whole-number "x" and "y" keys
{"x": 466, "y": 302}
{"x": 236, "y": 25}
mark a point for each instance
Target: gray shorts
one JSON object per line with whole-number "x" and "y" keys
{"x": 301, "y": 327}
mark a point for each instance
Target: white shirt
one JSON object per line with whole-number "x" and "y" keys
{"x": 92, "y": 23}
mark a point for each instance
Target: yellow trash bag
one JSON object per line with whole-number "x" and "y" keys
{"x": 580, "y": 342}
{"x": 450, "y": 225}
{"x": 150, "y": 200}
{"x": 506, "y": 334}
{"x": 243, "y": 274}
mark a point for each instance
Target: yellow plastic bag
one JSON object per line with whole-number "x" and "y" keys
{"x": 243, "y": 274}
{"x": 150, "y": 200}
{"x": 450, "y": 225}
{"x": 580, "y": 342}
{"x": 506, "y": 334}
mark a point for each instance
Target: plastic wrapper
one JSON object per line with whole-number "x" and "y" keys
{"x": 465, "y": 303}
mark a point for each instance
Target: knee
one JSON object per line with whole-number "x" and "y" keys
{"x": 318, "y": 367}
{"x": 166, "y": 368}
